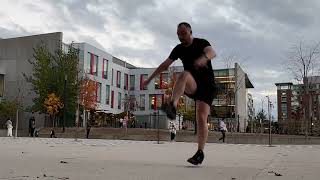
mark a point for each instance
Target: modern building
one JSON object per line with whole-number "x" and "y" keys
{"x": 14, "y": 56}
{"x": 298, "y": 112}
{"x": 120, "y": 83}
{"x": 231, "y": 102}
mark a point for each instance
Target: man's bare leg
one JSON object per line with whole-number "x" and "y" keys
{"x": 184, "y": 83}
{"x": 203, "y": 110}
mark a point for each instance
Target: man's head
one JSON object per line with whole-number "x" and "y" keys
{"x": 184, "y": 33}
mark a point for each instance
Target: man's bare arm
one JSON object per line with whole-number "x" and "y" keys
{"x": 208, "y": 54}
{"x": 163, "y": 66}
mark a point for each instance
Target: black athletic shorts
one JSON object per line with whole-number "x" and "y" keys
{"x": 206, "y": 89}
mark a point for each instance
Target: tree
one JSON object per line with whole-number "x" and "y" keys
{"x": 55, "y": 73}
{"x": 53, "y": 105}
{"x": 303, "y": 63}
{"x": 8, "y": 109}
{"x": 88, "y": 94}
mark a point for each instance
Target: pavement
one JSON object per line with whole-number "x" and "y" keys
{"x": 89, "y": 159}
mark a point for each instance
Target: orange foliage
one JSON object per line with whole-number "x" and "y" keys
{"x": 53, "y": 104}
{"x": 88, "y": 91}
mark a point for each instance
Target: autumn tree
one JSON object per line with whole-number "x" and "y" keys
{"x": 53, "y": 106}
{"x": 55, "y": 72}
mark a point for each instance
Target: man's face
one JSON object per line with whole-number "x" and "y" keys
{"x": 184, "y": 34}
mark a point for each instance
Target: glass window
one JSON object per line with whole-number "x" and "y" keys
{"x": 142, "y": 102}
{"x": 105, "y": 69}
{"x": 93, "y": 64}
{"x": 143, "y": 77}
{"x": 126, "y": 81}
{"x": 99, "y": 93}
{"x": 108, "y": 94}
{"x": 132, "y": 82}
{"x": 119, "y": 100}
{"x": 118, "y": 79}
{"x": 155, "y": 101}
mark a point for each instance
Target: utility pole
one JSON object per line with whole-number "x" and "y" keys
{"x": 260, "y": 118}
{"x": 269, "y": 116}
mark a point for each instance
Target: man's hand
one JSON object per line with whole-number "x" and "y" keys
{"x": 201, "y": 62}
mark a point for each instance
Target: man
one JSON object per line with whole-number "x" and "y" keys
{"x": 173, "y": 131}
{"x": 196, "y": 81}
{"x": 223, "y": 130}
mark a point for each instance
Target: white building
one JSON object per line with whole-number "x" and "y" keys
{"x": 118, "y": 80}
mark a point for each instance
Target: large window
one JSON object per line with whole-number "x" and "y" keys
{"x": 108, "y": 94}
{"x": 112, "y": 77}
{"x": 155, "y": 101}
{"x": 93, "y": 64}
{"x": 162, "y": 81}
{"x": 132, "y": 82}
{"x": 126, "y": 81}
{"x": 112, "y": 99}
{"x": 105, "y": 69}
{"x": 1, "y": 85}
{"x": 119, "y": 100}
{"x": 99, "y": 92}
{"x": 143, "y": 77}
{"x": 142, "y": 102}
{"x": 118, "y": 79}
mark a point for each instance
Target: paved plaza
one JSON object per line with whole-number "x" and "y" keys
{"x": 89, "y": 159}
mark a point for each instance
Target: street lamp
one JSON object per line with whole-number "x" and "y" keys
{"x": 64, "y": 99}
{"x": 269, "y": 104}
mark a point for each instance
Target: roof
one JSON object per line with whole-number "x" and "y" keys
{"x": 248, "y": 82}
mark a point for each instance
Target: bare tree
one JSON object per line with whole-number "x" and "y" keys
{"x": 303, "y": 64}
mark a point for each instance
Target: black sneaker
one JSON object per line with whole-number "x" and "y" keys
{"x": 197, "y": 158}
{"x": 170, "y": 110}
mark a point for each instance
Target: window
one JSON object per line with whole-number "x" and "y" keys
{"x": 132, "y": 102}
{"x": 283, "y": 99}
{"x": 93, "y": 64}
{"x": 1, "y": 85}
{"x": 162, "y": 81}
{"x": 112, "y": 99}
{"x": 143, "y": 77}
{"x": 132, "y": 82}
{"x": 142, "y": 102}
{"x": 108, "y": 94}
{"x": 105, "y": 69}
{"x": 98, "y": 92}
{"x": 126, "y": 102}
{"x": 155, "y": 101}
{"x": 112, "y": 77}
{"x": 126, "y": 81}
{"x": 118, "y": 79}
{"x": 119, "y": 100}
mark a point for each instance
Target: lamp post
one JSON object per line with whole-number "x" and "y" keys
{"x": 64, "y": 99}
{"x": 269, "y": 104}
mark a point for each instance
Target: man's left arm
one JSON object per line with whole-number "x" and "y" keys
{"x": 208, "y": 54}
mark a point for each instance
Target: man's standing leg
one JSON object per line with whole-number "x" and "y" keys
{"x": 203, "y": 110}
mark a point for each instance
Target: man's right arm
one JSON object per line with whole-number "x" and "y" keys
{"x": 163, "y": 66}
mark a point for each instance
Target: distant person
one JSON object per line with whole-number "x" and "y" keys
{"x": 9, "y": 127}
{"x": 33, "y": 127}
{"x": 88, "y": 128}
{"x": 173, "y": 131}
{"x": 52, "y": 134}
{"x": 30, "y": 123}
{"x": 223, "y": 130}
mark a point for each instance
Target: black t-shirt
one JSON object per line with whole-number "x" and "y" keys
{"x": 189, "y": 54}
